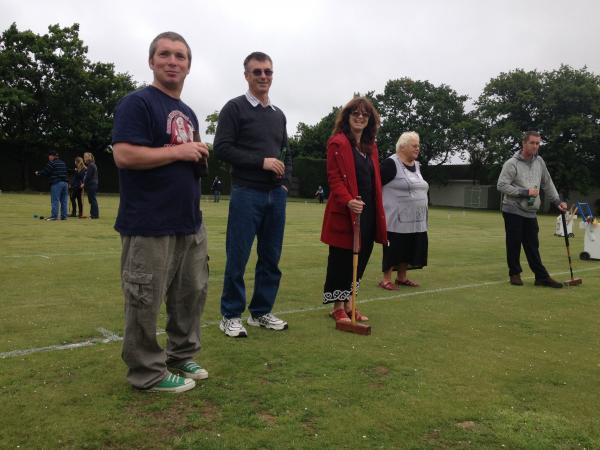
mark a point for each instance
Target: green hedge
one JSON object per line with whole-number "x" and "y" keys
{"x": 309, "y": 173}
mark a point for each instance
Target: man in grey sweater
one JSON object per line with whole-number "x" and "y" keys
{"x": 520, "y": 181}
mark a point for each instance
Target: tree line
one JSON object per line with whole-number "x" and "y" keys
{"x": 563, "y": 104}
{"x": 53, "y": 97}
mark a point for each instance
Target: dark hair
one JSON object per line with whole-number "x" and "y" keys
{"x": 342, "y": 123}
{"x": 528, "y": 134}
{"x": 173, "y": 37}
{"x": 52, "y": 153}
{"x": 259, "y": 56}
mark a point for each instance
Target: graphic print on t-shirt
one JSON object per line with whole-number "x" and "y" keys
{"x": 180, "y": 128}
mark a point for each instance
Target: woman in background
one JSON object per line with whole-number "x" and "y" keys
{"x": 90, "y": 183}
{"x": 76, "y": 188}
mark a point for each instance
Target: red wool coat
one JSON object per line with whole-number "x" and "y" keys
{"x": 343, "y": 187}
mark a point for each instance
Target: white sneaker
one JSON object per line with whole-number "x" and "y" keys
{"x": 233, "y": 327}
{"x": 268, "y": 321}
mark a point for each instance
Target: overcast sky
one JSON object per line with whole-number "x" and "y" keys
{"x": 324, "y": 51}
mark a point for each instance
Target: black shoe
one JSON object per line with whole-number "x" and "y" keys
{"x": 515, "y": 280}
{"x": 548, "y": 282}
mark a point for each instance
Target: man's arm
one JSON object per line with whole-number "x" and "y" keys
{"x": 46, "y": 171}
{"x": 225, "y": 144}
{"x": 550, "y": 190}
{"x": 287, "y": 162}
{"x": 505, "y": 180}
{"x": 138, "y": 157}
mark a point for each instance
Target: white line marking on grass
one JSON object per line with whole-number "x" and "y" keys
{"x": 54, "y": 255}
{"x": 428, "y": 291}
{"x": 26, "y": 256}
{"x": 109, "y": 336}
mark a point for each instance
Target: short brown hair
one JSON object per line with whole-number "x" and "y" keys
{"x": 528, "y": 134}
{"x": 171, "y": 35}
{"x": 259, "y": 56}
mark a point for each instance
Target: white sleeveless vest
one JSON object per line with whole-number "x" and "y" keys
{"x": 405, "y": 200}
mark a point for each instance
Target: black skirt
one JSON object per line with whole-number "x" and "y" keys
{"x": 408, "y": 248}
{"x": 338, "y": 281}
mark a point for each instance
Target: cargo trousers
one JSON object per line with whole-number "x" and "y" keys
{"x": 153, "y": 269}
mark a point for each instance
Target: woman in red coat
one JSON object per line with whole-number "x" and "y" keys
{"x": 352, "y": 172}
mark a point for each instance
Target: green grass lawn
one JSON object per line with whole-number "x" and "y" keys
{"x": 464, "y": 362}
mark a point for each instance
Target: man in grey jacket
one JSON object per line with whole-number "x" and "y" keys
{"x": 520, "y": 181}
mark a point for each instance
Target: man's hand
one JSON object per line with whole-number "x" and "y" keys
{"x": 534, "y": 192}
{"x": 563, "y": 207}
{"x": 191, "y": 151}
{"x": 355, "y": 205}
{"x": 274, "y": 165}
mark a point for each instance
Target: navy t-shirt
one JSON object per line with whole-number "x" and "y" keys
{"x": 164, "y": 200}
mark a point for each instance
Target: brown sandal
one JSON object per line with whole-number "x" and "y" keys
{"x": 359, "y": 316}
{"x": 339, "y": 315}
{"x": 406, "y": 282}
{"x": 387, "y": 285}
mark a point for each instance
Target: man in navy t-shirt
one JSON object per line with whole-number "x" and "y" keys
{"x": 164, "y": 241}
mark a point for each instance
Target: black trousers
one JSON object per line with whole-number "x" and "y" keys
{"x": 76, "y": 200}
{"x": 521, "y": 231}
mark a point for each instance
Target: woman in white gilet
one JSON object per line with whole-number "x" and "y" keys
{"x": 406, "y": 213}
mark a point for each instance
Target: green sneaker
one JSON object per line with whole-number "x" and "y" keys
{"x": 173, "y": 383}
{"x": 190, "y": 369}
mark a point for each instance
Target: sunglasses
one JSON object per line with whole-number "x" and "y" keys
{"x": 259, "y": 72}
{"x": 366, "y": 115}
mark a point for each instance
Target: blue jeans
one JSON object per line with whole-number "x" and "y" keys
{"x": 91, "y": 194}
{"x": 253, "y": 213}
{"x": 59, "y": 193}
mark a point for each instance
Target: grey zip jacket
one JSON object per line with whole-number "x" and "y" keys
{"x": 517, "y": 177}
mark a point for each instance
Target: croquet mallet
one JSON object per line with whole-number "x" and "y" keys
{"x": 572, "y": 281}
{"x": 354, "y": 326}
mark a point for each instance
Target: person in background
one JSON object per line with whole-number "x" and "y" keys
{"x": 216, "y": 189}
{"x": 520, "y": 181}
{"x": 251, "y": 136}
{"x": 76, "y": 188}
{"x": 355, "y": 188}
{"x": 319, "y": 194}
{"x": 56, "y": 171}
{"x": 406, "y": 213}
{"x": 90, "y": 184}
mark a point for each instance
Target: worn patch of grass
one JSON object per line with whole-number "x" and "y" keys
{"x": 464, "y": 362}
